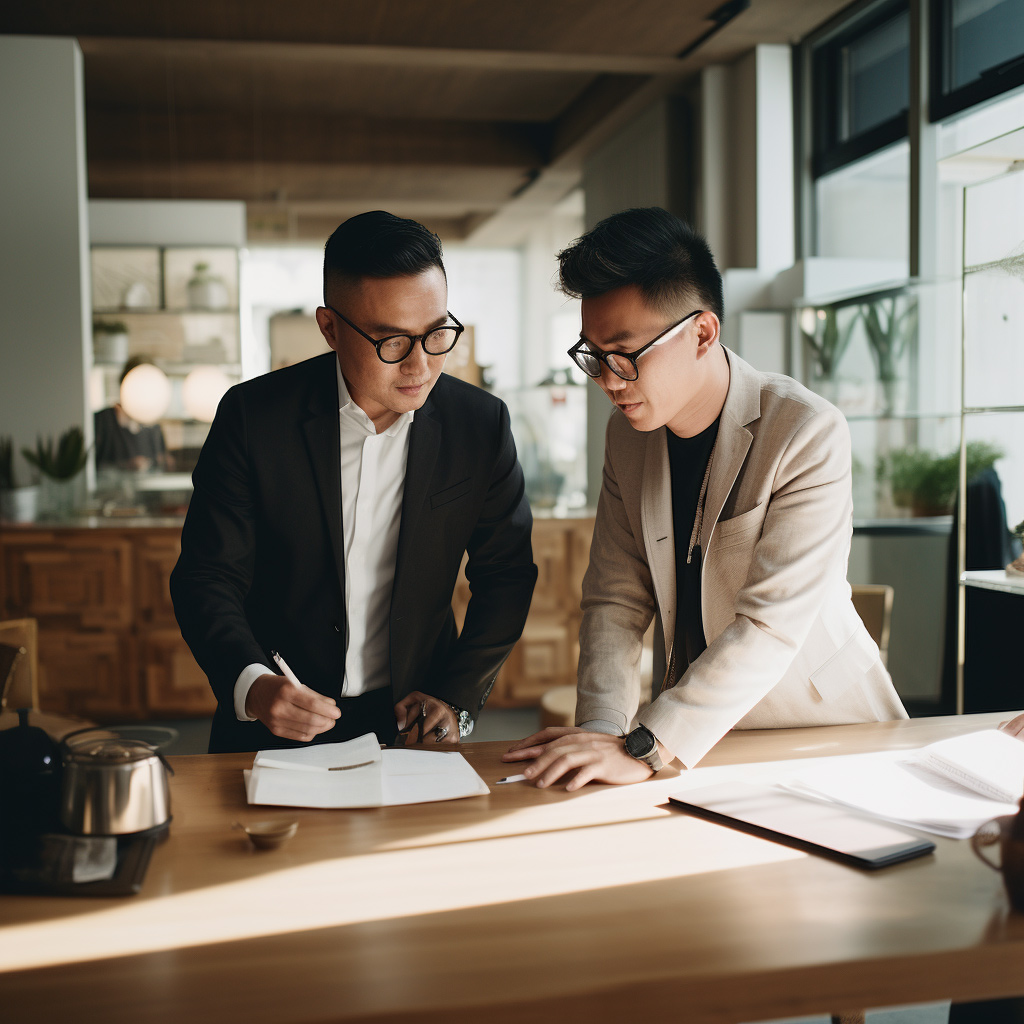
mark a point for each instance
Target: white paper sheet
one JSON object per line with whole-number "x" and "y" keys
{"x": 322, "y": 757}
{"x": 896, "y": 787}
{"x": 395, "y": 777}
{"x": 423, "y": 776}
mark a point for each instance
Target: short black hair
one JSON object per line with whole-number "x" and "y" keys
{"x": 651, "y": 248}
{"x": 132, "y": 362}
{"x": 379, "y": 244}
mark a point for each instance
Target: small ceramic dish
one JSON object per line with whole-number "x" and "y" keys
{"x": 269, "y": 835}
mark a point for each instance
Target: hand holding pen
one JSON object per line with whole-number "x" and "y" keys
{"x": 424, "y": 719}
{"x": 289, "y": 709}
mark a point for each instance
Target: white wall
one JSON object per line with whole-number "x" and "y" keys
{"x": 646, "y": 164}
{"x": 44, "y": 257}
{"x": 166, "y": 222}
{"x": 747, "y": 206}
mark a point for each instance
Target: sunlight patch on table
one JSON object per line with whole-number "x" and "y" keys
{"x": 360, "y": 889}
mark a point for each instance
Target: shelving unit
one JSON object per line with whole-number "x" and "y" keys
{"x": 888, "y": 359}
{"x": 146, "y": 288}
{"x": 992, "y": 353}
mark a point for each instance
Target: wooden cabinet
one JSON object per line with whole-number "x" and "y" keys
{"x": 548, "y": 652}
{"x": 109, "y": 646}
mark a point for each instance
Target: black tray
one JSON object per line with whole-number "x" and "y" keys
{"x": 50, "y": 873}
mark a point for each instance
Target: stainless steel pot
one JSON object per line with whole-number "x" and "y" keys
{"x": 113, "y": 786}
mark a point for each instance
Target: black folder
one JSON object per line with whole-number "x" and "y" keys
{"x": 811, "y": 825}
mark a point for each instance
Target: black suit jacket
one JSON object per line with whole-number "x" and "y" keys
{"x": 262, "y": 562}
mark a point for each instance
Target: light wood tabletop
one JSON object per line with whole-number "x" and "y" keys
{"x": 601, "y": 905}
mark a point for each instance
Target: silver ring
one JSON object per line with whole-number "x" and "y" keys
{"x": 440, "y": 732}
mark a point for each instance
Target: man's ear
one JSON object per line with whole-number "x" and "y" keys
{"x": 709, "y": 330}
{"x": 325, "y": 322}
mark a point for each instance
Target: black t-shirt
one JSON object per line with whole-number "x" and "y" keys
{"x": 688, "y": 461}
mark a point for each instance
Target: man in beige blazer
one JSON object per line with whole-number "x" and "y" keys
{"x": 725, "y": 507}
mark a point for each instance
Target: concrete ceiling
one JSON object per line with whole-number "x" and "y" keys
{"x": 449, "y": 111}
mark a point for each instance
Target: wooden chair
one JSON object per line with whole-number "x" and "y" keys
{"x": 873, "y": 602}
{"x": 22, "y": 689}
{"x": 22, "y": 686}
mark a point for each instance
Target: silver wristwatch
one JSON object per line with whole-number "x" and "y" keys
{"x": 642, "y": 745}
{"x": 463, "y": 717}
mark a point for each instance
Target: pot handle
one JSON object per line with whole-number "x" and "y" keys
{"x": 122, "y": 730}
{"x": 988, "y": 834}
{"x": 165, "y": 763}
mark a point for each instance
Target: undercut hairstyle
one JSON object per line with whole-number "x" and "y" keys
{"x": 651, "y": 248}
{"x": 379, "y": 244}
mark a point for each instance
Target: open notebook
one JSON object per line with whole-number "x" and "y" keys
{"x": 357, "y": 773}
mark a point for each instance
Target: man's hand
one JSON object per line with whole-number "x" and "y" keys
{"x": 1015, "y": 727}
{"x": 437, "y": 722}
{"x": 289, "y": 711}
{"x": 594, "y": 756}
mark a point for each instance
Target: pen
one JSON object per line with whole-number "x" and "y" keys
{"x": 511, "y": 778}
{"x": 285, "y": 670}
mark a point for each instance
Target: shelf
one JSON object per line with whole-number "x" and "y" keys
{"x": 876, "y": 417}
{"x": 993, "y": 579}
{"x": 905, "y": 525}
{"x": 158, "y": 311}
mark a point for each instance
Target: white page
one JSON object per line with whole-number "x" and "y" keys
{"x": 892, "y": 786}
{"x": 321, "y": 757}
{"x": 424, "y": 776}
{"x": 355, "y": 787}
{"x": 990, "y": 761}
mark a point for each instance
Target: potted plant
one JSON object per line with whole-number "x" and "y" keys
{"x": 59, "y": 468}
{"x": 109, "y": 341}
{"x": 889, "y": 333}
{"x": 824, "y": 336}
{"x": 17, "y": 504}
{"x": 925, "y": 482}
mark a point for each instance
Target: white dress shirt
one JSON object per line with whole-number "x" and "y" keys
{"x": 372, "y": 485}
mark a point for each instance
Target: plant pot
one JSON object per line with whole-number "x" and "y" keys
{"x": 59, "y": 499}
{"x": 20, "y": 504}
{"x": 206, "y": 290}
{"x": 109, "y": 348}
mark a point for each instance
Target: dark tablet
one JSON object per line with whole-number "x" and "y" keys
{"x": 811, "y": 825}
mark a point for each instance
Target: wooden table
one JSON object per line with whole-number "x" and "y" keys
{"x": 604, "y": 905}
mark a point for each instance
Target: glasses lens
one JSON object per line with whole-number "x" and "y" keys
{"x": 623, "y": 367}
{"x": 441, "y": 340}
{"x": 394, "y": 350}
{"x": 587, "y": 362}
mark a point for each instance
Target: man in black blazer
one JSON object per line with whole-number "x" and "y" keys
{"x": 358, "y": 602}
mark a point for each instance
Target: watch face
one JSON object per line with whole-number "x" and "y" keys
{"x": 639, "y": 743}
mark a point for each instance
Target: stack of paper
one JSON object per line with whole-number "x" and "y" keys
{"x": 948, "y": 788}
{"x": 358, "y": 773}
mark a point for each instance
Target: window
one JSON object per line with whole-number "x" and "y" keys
{"x": 977, "y": 52}
{"x": 861, "y": 87}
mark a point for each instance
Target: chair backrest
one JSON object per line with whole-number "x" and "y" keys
{"x": 873, "y": 602}
{"x": 22, "y": 689}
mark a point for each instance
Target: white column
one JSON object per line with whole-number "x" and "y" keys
{"x": 45, "y": 330}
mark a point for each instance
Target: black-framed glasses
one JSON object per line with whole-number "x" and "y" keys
{"x": 397, "y": 347}
{"x": 622, "y": 364}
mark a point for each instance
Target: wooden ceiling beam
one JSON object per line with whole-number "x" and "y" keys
{"x": 258, "y": 181}
{"x": 266, "y": 54}
{"x": 225, "y": 135}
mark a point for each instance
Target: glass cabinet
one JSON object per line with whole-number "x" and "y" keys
{"x": 991, "y": 506}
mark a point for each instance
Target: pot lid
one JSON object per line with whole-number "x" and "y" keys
{"x": 110, "y": 750}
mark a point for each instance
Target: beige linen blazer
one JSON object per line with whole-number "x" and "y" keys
{"x": 785, "y": 645}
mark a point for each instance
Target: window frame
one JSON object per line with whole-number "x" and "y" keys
{"x": 828, "y": 153}
{"x": 943, "y": 102}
